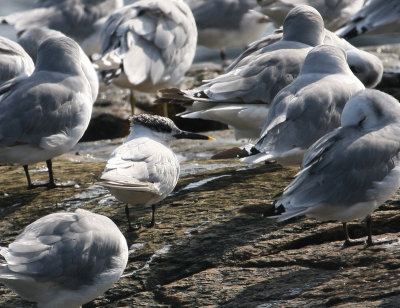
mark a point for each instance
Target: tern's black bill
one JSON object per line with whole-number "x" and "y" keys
{"x": 188, "y": 135}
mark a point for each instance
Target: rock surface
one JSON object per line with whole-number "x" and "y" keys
{"x": 211, "y": 245}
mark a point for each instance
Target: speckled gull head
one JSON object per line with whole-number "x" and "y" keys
{"x": 144, "y": 170}
{"x": 350, "y": 172}
{"x": 304, "y": 24}
{"x": 65, "y": 259}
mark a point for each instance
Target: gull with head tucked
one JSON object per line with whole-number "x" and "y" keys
{"x": 44, "y": 115}
{"x": 65, "y": 259}
{"x": 241, "y": 97}
{"x": 148, "y": 45}
{"x": 308, "y": 108}
{"x": 144, "y": 170}
{"x": 352, "y": 170}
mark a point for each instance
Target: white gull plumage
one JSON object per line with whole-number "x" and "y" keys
{"x": 377, "y": 23}
{"x": 366, "y": 66}
{"x": 335, "y": 13}
{"x": 352, "y": 170}
{"x": 44, "y": 115}
{"x": 77, "y": 19}
{"x": 148, "y": 45}
{"x": 308, "y": 108}
{"x": 241, "y": 97}
{"x": 31, "y": 39}
{"x": 65, "y": 259}
{"x": 14, "y": 61}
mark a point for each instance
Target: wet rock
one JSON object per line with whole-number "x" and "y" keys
{"x": 206, "y": 252}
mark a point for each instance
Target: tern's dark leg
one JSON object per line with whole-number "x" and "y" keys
{"x": 51, "y": 183}
{"x": 152, "y": 222}
{"x": 28, "y": 177}
{"x": 368, "y": 221}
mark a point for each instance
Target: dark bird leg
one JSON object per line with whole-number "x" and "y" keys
{"x": 128, "y": 217}
{"x": 51, "y": 183}
{"x": 28, "y": 177}
{"x": 152, "y": 222}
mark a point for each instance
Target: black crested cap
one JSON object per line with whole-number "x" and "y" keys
{"x": 153, "y": 122}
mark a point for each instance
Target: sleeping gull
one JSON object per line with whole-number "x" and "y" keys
{"x": 148, "y": 45}
{"x": 225, "y": 24}
{"x": 14, "y": 61}
{"x": 351, "y": 171}
{"x": 31, "y": 39}
{"x": 366, "y": 66}
{"x": 241, "y": 97}
{"x": 377, "y": 23}
{"x": 308, "y": 108}
{"x": 144, "y": 170}
{"x": 335, "y": 13}
{"x": 65, "y": 259}
{"x": 75, "y": 18}
{"x": 44, "y": 115}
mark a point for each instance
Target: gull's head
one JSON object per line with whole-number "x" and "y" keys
{"x": 59, "y": 54}
{"x": 371, "y": 109}
{"x": 325, "y": 59}
{"x": 367, "y": 67}
{"x": 159, "y": 128}
{"x": 304, "y": 24}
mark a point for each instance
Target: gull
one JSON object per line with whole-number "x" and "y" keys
{"x": 144, "y": 170}
{"x": 241, "y": 97}
{"x": 31, "y": 39}
{"x": 351, "y": 171}
{"x": 308, "y": 108}
{"x": 148, "y": 45}
{"x": 225, "y": 24}
{"x": 335, "y": 13}
{"x": 377, "y": 23}
{"x": 65, "y": 259}
{"x": 14, "y": 61}
{"x": 75, "y": 18}
{"x": 44, "y": 115}
{"x": 367, "y": 67}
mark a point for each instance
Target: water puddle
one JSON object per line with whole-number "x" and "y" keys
{"x": 201, "y": 183}
{"x": 155, "y": 255}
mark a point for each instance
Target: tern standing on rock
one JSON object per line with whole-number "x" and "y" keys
{"x": 44, "y": 115}
{"x": 144, "y": 170}
{"x": 351, "y": 171}
{"x": 65, "y": 259}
